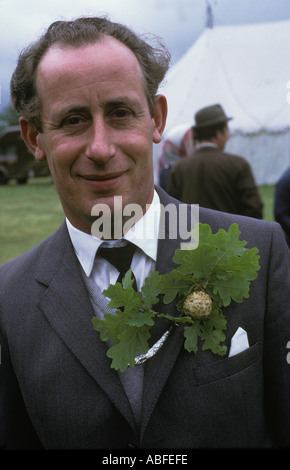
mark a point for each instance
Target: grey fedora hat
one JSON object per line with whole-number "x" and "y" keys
{"x": 210, "y": 115}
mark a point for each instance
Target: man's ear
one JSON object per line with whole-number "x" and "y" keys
{"x": 159, "y": 117}
{"x": 31, "y": 137}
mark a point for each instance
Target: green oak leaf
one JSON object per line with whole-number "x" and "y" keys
{"x": 123, "y": 296}
{"x": 100, "y": 326}
{"x": 111, "y": 326}
{"x": 176, "y": 319}
{"x": 229, "y": 242}
{"x": 173, "y": 285}
{"x": 200, "y": 232}
{"x": 131, "y": 341}
{"x": 128, "y": 280}
{"x": 210, "y": 331}
{"x": 191, "y": 334}
{"x": 212, "y": 339}
{"x": 151, "y": 289}
{"x": 216, "y": 320}
{"x": 247, "y": 263}
{"x": 199, "y": 262}
{"x": 140, "y": 319}
{"x": 235, "y": 287}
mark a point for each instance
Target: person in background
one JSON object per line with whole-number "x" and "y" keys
{"x": 211, "y": 177}
{"x": 177, "y": 144}
{"x": 282, "y": 203}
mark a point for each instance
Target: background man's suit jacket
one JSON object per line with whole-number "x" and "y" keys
{"x": 216, "y": 180}
{"x": 56, "y": 386}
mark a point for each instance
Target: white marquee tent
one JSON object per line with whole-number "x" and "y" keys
{"x": 246, "y": 69}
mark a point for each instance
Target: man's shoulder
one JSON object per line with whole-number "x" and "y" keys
{"x": 220, "y": 219}
{"x": 217, "y": 219}
{"x": 284, "y": 179}
{"x": 210, "y": 153}
{"x": 256, "y": 232}
{"x": 217, "y": 152}
{"x": 235, "y": 158}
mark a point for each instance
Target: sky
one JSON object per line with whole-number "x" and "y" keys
{"x": 177, "y": 22}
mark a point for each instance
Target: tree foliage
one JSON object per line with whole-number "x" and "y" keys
{"x": 8, "y": 117}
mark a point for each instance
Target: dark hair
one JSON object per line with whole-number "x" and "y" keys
{"x": 208, "y": 132}
{"x": 153, "y": 60}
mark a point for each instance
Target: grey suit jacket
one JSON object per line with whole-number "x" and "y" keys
{"x": 57, "y": 390}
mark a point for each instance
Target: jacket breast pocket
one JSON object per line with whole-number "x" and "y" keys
{"x": 227, "y": 367}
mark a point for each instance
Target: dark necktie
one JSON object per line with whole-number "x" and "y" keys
{"x": 120, "y": 258}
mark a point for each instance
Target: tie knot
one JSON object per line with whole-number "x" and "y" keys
{"x": 119, "y": 257}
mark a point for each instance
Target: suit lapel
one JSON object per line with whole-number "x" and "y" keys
{"x": 67, "y": 308}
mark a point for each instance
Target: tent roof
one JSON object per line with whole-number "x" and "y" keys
{"x": 245, "y": 68}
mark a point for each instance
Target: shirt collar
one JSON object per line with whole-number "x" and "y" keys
{"x": 205, "y": 144}
{"x": 144, "y": 234}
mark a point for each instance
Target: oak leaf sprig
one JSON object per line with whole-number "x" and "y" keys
{"x": 216, "y": 272}
{"x": 129, "y": 328}
{"x": 221, "y": 267}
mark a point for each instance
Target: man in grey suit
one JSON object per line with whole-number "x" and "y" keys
{"x": 89, "y": 107}
{"x": 212, "y": 177}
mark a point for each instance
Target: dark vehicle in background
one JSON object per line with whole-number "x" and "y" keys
{"x": 16, "y": 162}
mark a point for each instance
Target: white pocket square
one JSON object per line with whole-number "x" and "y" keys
{"x": 239, "y": 342}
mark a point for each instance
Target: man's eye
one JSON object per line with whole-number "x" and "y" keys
{"x": 73, "y": 121}
{"x": 121, "y": 113}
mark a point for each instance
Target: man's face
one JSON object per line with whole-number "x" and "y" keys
{"x": 223, "y": 137}
{"x": 97, "y": 129}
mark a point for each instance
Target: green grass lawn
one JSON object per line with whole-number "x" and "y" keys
{"x": 28, "y": 214}
{"x": 31, "y": 212}
{"x": 267, "y": 194}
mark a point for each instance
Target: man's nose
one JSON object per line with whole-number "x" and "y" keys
{"x": 99, "y": 145}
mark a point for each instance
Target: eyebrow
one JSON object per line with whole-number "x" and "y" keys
{"x": 123, "y": 100}
{"x": 118, "y": 101}
{"x": 59, "y": 114}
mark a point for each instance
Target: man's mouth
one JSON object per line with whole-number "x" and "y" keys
{"x": 102, "y": 181}
{"x": 101, "y": 177}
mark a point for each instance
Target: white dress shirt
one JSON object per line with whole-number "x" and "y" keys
{"x": 144, "y": 234}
